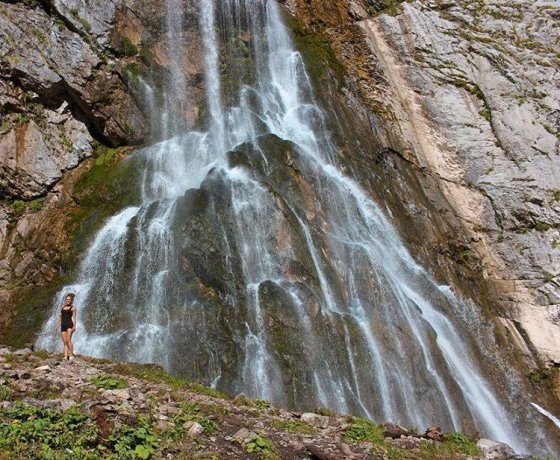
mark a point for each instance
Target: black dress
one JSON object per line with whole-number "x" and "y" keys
{"x": 66, "y": 322}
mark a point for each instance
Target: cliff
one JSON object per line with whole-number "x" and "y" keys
{"x": 466, "y": 94}
{"x": 452, "y": 110}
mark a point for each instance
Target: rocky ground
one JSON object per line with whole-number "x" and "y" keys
{"x": 88, "y": 408}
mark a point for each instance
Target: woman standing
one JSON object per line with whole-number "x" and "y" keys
{"x": 67, "y": 321}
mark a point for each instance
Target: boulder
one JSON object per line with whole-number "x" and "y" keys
{"x": 320, "y": 421}
{"x": 435, "y": 433}
{"x": 194, "y": 429}
{"x": 494, "y": 449}
{"x": 390, "y": 430}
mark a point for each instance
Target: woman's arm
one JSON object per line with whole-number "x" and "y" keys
{"x": 74, "y": 316}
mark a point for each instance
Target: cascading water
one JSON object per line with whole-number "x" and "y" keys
{"x": 254, "y": 264}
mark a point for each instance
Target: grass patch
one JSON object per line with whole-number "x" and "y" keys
{"x": 262, "y": 404}
{"x": 157, "y": 374}
{"x": 293, "y": 426}
{"x": 5, "y": 393}
{"x": 317, "y": 53}
{"x": 127, "y": 48}
{"x": 453, "y": 446}
{"x": 326, "y": 412}
{"x": 108, "y": 382}
{"x": 362, "y": 430}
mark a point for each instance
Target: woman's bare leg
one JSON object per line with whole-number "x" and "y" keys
{"x": 69, "y": 333}
{"x": 63, "y": 334}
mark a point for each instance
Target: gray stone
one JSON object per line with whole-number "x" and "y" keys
{"x": 320, "y": 421}
{"x": 22, "y": 352}
{"x": 46, "y": 367}
{"x": 494, "y": 449}
{"x": 194, "y": 429}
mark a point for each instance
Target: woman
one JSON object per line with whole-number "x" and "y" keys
{"x": 67, "y": 321}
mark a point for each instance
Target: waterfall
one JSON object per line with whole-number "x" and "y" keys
{"x": 301, "y": 290}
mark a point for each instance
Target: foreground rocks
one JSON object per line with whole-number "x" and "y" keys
{"x": 128, "y": 405}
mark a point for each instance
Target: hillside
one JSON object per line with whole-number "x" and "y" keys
{"x": 90, "y": 408}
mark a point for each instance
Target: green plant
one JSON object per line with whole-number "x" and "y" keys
{"x": 454, "y": 445}
{"x": 293, "y": 426}
{"x": 36, "y": 205}
{"x": 325, "y": 411}
{"x": 542, "y": 226}
{"x": 209, "y": 425}
{"x": 262, "y": 404}
{"x": 128, "y": 48}
{"x": 42, "y": 354}
{"x": 39, "y": 433}
{"x": 263, "y": 446}
{"x": 104, "y": 155}
{"x": 74, "y": 11}
{"x": 18, "y": 206}
{"x": 138, "y": 441}
{"x": 40, "y": 35}
{"x": 362, "y": 430}
{"x": 5, "y": 392}
{"x": 21, "y": 119}
{"x": 109, "y": 383}
{"x": 156, "y": 373}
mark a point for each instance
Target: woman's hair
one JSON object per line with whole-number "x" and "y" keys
{"x": 71, "y": 295}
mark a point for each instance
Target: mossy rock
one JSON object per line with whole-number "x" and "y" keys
{"x": 107, "y": 186}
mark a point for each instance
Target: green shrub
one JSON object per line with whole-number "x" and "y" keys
{"x": 38, "y": 433}
{"x": 263, "y": 446}
{"x": 138, "y": 441}
{"x": 5, "y": 393}
{"x": 455, "y": 445}
{"x": 262, "y": 404}
{"x": 294, "y": 426}
{"x": 128, "y": 48}
{"x": 109, "y": 383}
{"x": 157, "y": 374}
{"x": 362, "y": 430}
{"x": 325, "y": 411}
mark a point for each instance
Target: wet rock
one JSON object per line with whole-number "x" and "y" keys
{"x": 494, "y": 449}
{"x": 320, "y": 421}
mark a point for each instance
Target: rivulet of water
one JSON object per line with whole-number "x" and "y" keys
{"x": 376, "y": 335}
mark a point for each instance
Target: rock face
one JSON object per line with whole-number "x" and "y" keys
{"x": 467, "y": 95}
{"x": 72, "y": 85}
{"x": 462, "y": 97}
